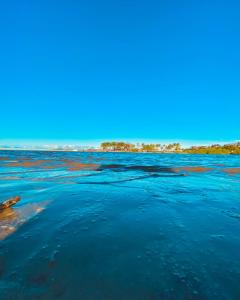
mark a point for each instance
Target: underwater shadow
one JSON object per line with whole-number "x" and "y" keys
{"x": 120, "y": 168}
{"x": 131, "y": 179}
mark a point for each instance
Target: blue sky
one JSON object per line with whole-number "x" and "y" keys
{"x": 103, "y": 70}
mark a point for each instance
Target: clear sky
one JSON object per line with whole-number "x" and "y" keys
{"x": 142, "y": 69}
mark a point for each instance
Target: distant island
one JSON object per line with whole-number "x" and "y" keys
{"x": 119, "y": 146}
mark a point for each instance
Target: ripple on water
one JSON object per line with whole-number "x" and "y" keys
{"x": 119, "y": 226}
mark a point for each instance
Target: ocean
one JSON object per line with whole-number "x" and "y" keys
{"x": 103, "y": 226}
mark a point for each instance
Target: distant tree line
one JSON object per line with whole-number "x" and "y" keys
{"x": 128, "y": 147}
{"x": 118, "y": 146}
{"x": 215, "y": 149}
{"x": 170, "y": 148}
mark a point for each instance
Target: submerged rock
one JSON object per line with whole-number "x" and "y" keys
{"x": 10, "y": 202}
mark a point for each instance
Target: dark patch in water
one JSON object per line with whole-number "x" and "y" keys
{"x": 130, "y": 179}
{"x": 232, "y": 214}
{"x": 119, "y": 168}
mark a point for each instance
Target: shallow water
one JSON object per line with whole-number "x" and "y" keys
{"x": 119, "y": 226}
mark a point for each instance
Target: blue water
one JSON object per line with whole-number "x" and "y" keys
{"x": 136, "y": 226}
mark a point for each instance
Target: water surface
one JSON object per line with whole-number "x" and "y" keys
{"x": 119, "y": 226}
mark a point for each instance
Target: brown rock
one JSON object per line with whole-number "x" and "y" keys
{"x": 10, "y": 202}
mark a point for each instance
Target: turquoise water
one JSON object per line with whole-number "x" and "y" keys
{"x": 125, "y": 226}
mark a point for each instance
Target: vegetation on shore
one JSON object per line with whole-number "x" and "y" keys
{"x": 127, "y": 147}
{"x": 170, "y": 148}
{"x": 215, "y": 149}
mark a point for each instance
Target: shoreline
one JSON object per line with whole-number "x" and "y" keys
{"x": 128, "y": 152}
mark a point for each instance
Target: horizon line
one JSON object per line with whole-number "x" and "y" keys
{"x": 96, "y": 142}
